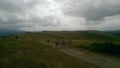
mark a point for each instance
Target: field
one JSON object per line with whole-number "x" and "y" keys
{"x": 28, "y": 50}
{"x": 95, "y": 41}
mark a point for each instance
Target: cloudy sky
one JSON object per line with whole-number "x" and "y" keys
{"x": 38, "y": 15}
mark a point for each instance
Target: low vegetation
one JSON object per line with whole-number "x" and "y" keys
{"x": 29, "y": 52}
{"x": 103, "y": 47}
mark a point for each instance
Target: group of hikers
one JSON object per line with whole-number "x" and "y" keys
{"x": 60, "y": 42}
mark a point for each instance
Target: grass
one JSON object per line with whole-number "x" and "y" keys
{"x": 101, "y": 47}
{"x": 83, "y": 35}
{"x": 104, "y": 47}
{"x": 27, "y": 51}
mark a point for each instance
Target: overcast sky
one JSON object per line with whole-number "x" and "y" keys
{"x": 38, "y": 15}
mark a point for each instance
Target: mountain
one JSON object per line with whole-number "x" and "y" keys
{"x": 7, "y": 32}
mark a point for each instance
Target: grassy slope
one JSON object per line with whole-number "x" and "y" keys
{"x": 78, "y": 37}
{"x": 28, "y": 52}
{"x": 84, "y": 35}
{"x": 83, "y": 38}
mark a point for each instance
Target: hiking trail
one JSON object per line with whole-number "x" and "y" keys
{"x": 92, "y": 58}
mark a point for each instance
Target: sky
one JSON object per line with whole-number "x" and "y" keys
{"x": 42, "y": 15}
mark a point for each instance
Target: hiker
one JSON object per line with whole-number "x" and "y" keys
{"x": 57, "y": 43}
{"x": 63, "y": 42}
{"x": 48, "y": 41}
{"x": 70, "y": 41}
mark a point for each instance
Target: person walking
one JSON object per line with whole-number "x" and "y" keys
{"x": 48, "y": 41}
{"x": 70, "y": 41}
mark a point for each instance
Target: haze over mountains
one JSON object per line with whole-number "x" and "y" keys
{"x": 7, "y": 32}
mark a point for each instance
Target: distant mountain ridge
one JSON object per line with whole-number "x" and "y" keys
{"x": 115, "y": 31}
{"x": 7, "y": 32}
{"x": 75, "y": 34}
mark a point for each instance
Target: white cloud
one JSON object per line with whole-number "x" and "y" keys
{"x": 37, "y": 15}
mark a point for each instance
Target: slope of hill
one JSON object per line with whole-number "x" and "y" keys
{"x": 30, "y": 53}
{"x": 28, "y": 50}
{"x": 81, "y": 35}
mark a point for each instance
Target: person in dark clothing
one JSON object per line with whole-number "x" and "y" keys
{"x": 48, "y": 41}
{"x": 57, "y": 43}
{"x": 63, "y": 42}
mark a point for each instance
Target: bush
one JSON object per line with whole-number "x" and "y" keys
{"x": 102, "y": 47}
{"x": 106, "y": 47}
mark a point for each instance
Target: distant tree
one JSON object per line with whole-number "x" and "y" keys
{"x": 106, "y": 47}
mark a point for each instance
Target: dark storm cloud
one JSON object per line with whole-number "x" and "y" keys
{"x": 92, "y": 9}
{"x": 17, "y": 23}
{"x": 13, "y": 14}
{"x": 18, "y": 5}
{"x": 12, "y": 6}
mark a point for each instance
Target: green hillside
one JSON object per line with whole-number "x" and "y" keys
{"x": 78, "y": 35}
{"x": 27, "y": 51}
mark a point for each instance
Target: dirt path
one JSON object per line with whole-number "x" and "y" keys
{"x": 101, "y": 61}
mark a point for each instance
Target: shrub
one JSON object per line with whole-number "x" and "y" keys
{"x": 106, "y": 47}
{"x": 102, "y": 47}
